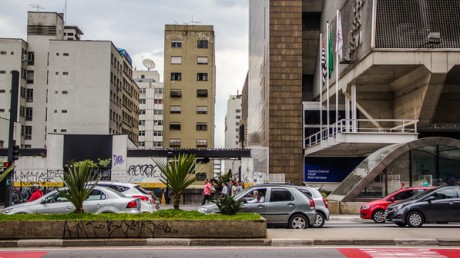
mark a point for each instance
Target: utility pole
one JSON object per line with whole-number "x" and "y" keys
{"x": 11, "y": 136}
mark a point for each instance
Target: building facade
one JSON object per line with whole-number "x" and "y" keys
{"x": 232, "y": 129}
{"x": 150, "y": 109}
{"x": 67, "y": 85}
{"x": 393, "y": 85}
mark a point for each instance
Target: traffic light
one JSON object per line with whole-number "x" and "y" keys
{"x": 15, "y": 152}
{"x": 6, "y": 164}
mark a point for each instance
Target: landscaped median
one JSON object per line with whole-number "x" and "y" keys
{"x": 163, "y": 224}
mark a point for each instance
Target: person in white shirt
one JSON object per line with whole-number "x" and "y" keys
{"x": 224, "y": 189}
{"x": 259, "y": 197}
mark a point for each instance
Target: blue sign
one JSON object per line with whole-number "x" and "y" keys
{"x": 329, "y": 169}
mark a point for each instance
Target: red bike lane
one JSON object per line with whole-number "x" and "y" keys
{"x": 399, "y": 252}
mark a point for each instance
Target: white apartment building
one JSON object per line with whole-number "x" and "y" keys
{"x": 232, "y": 127}
{"x": 67, "y": 85}
{"x": 150, "y": 109}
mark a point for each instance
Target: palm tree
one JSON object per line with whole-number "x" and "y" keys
{"x": 178, "y": 174}
{"x": 76, "y": 178}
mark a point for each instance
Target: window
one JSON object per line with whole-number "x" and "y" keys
{"x": 202, "y": 60}
{"x": 202, "y": 93}
{"x": 175, "y": 143}
{"x": 176, "y": 93}
{"x": 141, "y": 122}
{"x": 201, "y": 109}
{"x": 142, "y": 112}
{"x": 174, "y": 126}
{"x": 64, "y": 92}
{"x": 238, "y": 117}
{"x": 65, "y": 73}
{"x": 64, "y": 111}
{"x": 158, "y": 112}
{"x": 238, "y": 111}
{"x": 158, "y": 101}
{"x": 30, "y": 76}
{"x": 176, "y": 76}
{"x": 202, "y": 76}
{"x": 30, "y": 58}
{"x": 158, "y": 122}
{"x": 176, "y": 44}
{"x": 141, "y": 133}
{"x": 202, "y": 43}
{"x": 63, "y": 130}
{"x": 175, "y": 109}
{"x": 201, "y": 126}
{"x": 157, "y": 133}
{"x": 2, "y": 72}
{"x": 142, "y": 101}
{"x": 158, "y": 90}
{"x": 157, "y": 144}
{"x": 65, "y": 54}
{"x": 96, "y": 195}
{"x": 28, "y": 114}
{"x": 200, "y": 143}
{"x": 28, "y": 132}
{"x": 176, "y": 60}
{"x": 2, "y": 52}
{"x": 280, "y": 195}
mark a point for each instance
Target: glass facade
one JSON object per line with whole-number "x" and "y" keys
{"x": 436, "y": 165}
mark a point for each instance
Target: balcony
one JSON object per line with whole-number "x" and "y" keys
{"x": 359, "y": 137}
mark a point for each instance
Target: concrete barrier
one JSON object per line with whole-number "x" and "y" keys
{"x": 133, "y": 229}
{"x": 350, "y": 208}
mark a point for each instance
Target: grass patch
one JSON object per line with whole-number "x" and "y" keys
{"x": 170, "y": 214}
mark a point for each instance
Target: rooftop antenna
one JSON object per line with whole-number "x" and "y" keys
{"x": 37, "y": 7}
{"x": 65, "y": 11}
{"x": 194, "y": 22}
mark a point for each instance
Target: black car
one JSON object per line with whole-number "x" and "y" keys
{"x": 436, "y": 205}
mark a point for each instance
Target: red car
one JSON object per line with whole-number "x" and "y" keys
{"x": 375, "y": 210}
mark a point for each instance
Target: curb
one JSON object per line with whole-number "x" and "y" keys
{"x": 226, "y": 242}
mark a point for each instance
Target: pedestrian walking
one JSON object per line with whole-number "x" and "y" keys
{"x": 206, "y": 192}
{"x": 224, "y": 189}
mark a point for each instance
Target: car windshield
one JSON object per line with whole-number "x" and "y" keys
{"x": 142, "y": 190}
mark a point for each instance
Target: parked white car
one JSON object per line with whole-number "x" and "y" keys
{"x": 322, "y": 207}
{"x": 100, "y": 200}
{"x": 150, "y": 203}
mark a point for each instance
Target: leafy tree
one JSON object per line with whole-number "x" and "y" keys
{"x": 76, "y": 178}
{"x": 178, "y": 174}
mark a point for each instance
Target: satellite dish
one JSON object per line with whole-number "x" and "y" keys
{"x": 148, "y": 63}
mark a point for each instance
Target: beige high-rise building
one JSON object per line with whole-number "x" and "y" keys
{"x": 189, "y": 88}
{"x": 189, "y": 85}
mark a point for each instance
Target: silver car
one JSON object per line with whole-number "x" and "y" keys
{"x": 100, "y": 200}
{"x": 280, "y": 205}
{"x": 322, "y": 207}
{"x": 150, "y": 203}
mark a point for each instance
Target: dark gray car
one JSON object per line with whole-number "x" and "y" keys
{"x": 280, "y": 205}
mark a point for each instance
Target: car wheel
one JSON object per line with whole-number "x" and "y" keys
{"x": 378, "y": 216}
{"x": 400, "y": 224}
{"x": 414, "y": 219}
{"x": 319, "y": 222}
{"x": 298, "y": 221}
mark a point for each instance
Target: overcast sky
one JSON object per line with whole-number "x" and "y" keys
{"x": 138, "y": 26}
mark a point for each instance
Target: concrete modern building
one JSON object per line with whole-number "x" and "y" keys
{"x": 365, "y": 127}
{"x": 232, "y": 129}
{"x": 150, "y": 109}
{"x": 67, "y": 86}
{"x": 190, "y": 87}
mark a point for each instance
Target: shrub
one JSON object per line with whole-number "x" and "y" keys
{"x": 227, "y": 205}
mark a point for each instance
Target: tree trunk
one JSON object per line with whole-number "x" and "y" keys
{"x": 176, "y": 201}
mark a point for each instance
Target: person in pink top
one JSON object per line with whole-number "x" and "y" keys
{"x": 206, "y": 192}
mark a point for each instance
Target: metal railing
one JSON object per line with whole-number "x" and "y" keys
{"x": 363, "y": 126}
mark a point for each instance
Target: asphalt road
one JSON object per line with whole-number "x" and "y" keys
{"x": 236, "y": 252}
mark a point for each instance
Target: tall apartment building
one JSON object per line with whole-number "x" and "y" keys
{"x": 150, "y": 109}
{"x": 232, "y": 128}
{"x": 67, "y": 85}
{"x": 189, "y": 84}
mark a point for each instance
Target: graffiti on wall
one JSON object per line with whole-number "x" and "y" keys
{"x": 115, "y": 229}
